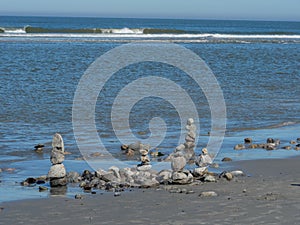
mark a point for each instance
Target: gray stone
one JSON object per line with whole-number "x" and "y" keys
{"x": 200, "y": 171}
{"x": 178, "y": 163}
{"x": 164, "y": 176}
{"x": 237, "y": 173}
{"x": 56, "y": 182}
{"x": 110, "y": 177}
{"x": 180, "y": 147}
{"x": 73, "y": 177}
{"x": 116, "y": 171}
{"x": 210, "y": 178}
{"x": 144, "y": 167}
{"x": 58, "y": 143}
{"x": 135, "y": 146}
{"x": 204, "y": 160}
{"x": 181, "y": 178}
{"x": 57, "y": 157}
{"x": 57, "y": 171}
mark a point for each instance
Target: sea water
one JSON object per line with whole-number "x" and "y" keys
{"x": 256, "y": 65}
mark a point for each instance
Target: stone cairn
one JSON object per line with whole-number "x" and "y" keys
{"x": 183, "y": 154}
{"x": 145, "y": 160}
{"x": 187, "y": 149}
{"x": 57, "y": 173}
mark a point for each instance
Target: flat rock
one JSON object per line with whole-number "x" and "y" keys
{"x": 144, "y": 167}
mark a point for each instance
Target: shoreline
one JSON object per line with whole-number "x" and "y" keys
{"x": 271, "y": 194}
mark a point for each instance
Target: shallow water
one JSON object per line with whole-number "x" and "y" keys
{"x": 256, "y": 64}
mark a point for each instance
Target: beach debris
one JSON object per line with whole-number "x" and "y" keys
{"x": 288, "y": 147}
{"x": 57, "y": 173}
{"x": 208, "y": 194}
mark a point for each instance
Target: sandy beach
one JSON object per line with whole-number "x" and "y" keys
{"x": 269, "y": 194}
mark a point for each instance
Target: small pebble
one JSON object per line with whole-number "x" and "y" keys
{"x": 208, "y": 194}
{"x": 42, "y": 188}
{"x": 116, "y": 194}
{"x": 78, "y": 196}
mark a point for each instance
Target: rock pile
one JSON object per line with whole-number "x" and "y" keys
{"x": 270, "y": 144}
{"x": 186, "y": 150}
{"x": 57, "y": 173}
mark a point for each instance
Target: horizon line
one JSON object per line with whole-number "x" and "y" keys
{"x": 151, "y": 17}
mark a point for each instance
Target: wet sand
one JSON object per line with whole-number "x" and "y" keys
{"x": 269, "y": 195}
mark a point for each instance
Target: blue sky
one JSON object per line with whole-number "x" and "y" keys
{"x": 200, "y": 9}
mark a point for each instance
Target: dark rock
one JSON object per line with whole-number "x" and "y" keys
{"x": 30, "y": 180}
{"x": 287, "y": 147}
{"x": 73, "y": 177}
{"x": 87, "y": 175}
{"x": 226, "y": 159}
{"x": 270, "y": 140}
{"x": 124, "y": 147}
{"x": 40, "y": 182}
{"x": 57, "y": 182}
{"x": 248, "y": 140}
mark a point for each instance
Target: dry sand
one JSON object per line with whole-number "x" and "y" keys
{"x": 271, "y": 195}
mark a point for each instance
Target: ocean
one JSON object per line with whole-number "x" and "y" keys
{"x": 256, "y": 65}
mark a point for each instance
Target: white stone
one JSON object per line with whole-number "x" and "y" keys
{"x": 58, "y": 143}
{"x": 237, "y": 173}
{"x": 208, "y": 194}
{"x": 200, "y": 171}
{"x": 210, "y": 178}
{"x": 144, "y": 168}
